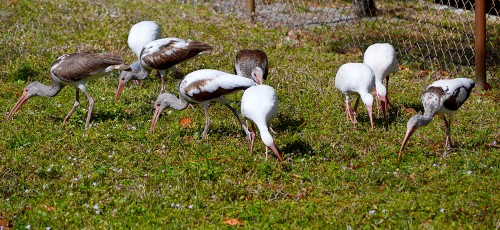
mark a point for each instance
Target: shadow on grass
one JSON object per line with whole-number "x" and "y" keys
{"x": 287, "y": 123}
{"x": 298, "y": 148}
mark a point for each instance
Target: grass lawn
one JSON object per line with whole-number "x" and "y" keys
{"x": 117, "y": 175}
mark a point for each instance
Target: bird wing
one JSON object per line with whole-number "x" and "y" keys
{"x": 454, "y": 91}
{"x": 76, "y": 66}
{"x": 165, "y": 53}
{"x": 205, "y": 85}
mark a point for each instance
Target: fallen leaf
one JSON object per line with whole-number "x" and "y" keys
{"x": 185, "y": 122}
{"x": 233, "y": 222}
{"x": 4, "y": 222}
{"x": 423, "y": 73}
{"x": 296, "y": 176}
{"x": 412, "y": 176}
{"x": 444, "y": 73}
{"x": 49, "y": 208}
{"x": 410, "y": 111}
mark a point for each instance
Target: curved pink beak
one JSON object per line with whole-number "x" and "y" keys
{"x": 18, "y": 104}
{"x": 370, "y": 111}
{"x": 156, "y": 115}
{"x": 259, "y": 80}
{"x": 121, "y": 85}
{"x": 407, "y": 138}
{"x": 273, "y": 147}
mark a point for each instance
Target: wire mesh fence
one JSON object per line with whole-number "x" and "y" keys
{"x": 440, "y": 33}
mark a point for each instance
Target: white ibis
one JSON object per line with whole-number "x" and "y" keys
{"x": 356, "y": 78}
{"x": 260, "y": 104}
{"x": 442, "y": 97}
{"x": 73, "y": 69}
{"x": 201, "y": 87}
{"x": 251, "y": 64}
{"x": 381, "y": 57}
{"x": 141, "y": 34}
{"x": 161, "y": 55}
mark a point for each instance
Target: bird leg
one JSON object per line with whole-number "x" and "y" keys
{"x": 377, "y": 99}
{"x": 355, "y": 113}
{"x": 207, "y": 122}
{"x": 253, "y": 138}
{"x": 223, "y": 101}
{"x": 387, "y": 90}
{"x": 162, "y": 77}
{"x": 347, "y": 110}
{"x": 91, "y": 106}
{"x": 448, "y": 142}
{"x": 75, "y": 106}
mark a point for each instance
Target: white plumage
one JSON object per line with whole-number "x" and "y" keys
{"x": 442, "y": 97}
{"x": 141, "y": 34}
{"x": 356, "y": 78}
{"x": 381, "y": 57}
{"x": 260, "y": 104}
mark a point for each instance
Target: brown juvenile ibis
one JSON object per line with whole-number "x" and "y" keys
{"x": 442, "y": 97}
{"x": 201, "y": 87}
{"x": 73, "y": 69}
{"x": 161, "y": 55}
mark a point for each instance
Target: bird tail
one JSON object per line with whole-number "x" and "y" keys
{"x": 199, "y": 47}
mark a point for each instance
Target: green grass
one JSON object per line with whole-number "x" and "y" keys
{"x": 117, "y": 175}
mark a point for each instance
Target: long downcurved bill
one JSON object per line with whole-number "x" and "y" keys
{"x": 273, "y": 147}
{"x": 370, "y": 114}
{"x": 18, "y": 104}
{"x": 121, "y": 85}
{"x": 156, "y": 115}
{"x": 260, "y": 79}
{"x": 407, "y": 138}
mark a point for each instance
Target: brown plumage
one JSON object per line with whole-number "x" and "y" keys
{"x": 73, "y": 69}
{"x": 251, "y": 64}
{"x": 162, "y": 54}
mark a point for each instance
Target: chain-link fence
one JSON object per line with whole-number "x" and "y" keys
{"x": 438, "y": 34}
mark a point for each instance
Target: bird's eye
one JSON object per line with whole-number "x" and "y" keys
{"x": 158, "y": 104}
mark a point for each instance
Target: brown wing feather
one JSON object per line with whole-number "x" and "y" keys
{"x": 73, "y": 67}
{"x": 169, "y": 55}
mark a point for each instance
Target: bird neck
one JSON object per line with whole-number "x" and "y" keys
{"x": 424, "y": 120}
{"x": 367, "y": 98}
{"x": 49, "y": 90}
{"x": 381, "y": 90}
{"x": 142, "y": 74}
{"x": 265, "y": 135}
{"x": 179, "y": 104}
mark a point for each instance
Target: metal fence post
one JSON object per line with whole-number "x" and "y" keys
{"x": 251, "y": 9}
{"x": 480, "y": 43}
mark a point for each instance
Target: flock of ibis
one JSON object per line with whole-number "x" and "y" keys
{"x": 259, "y": 102}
